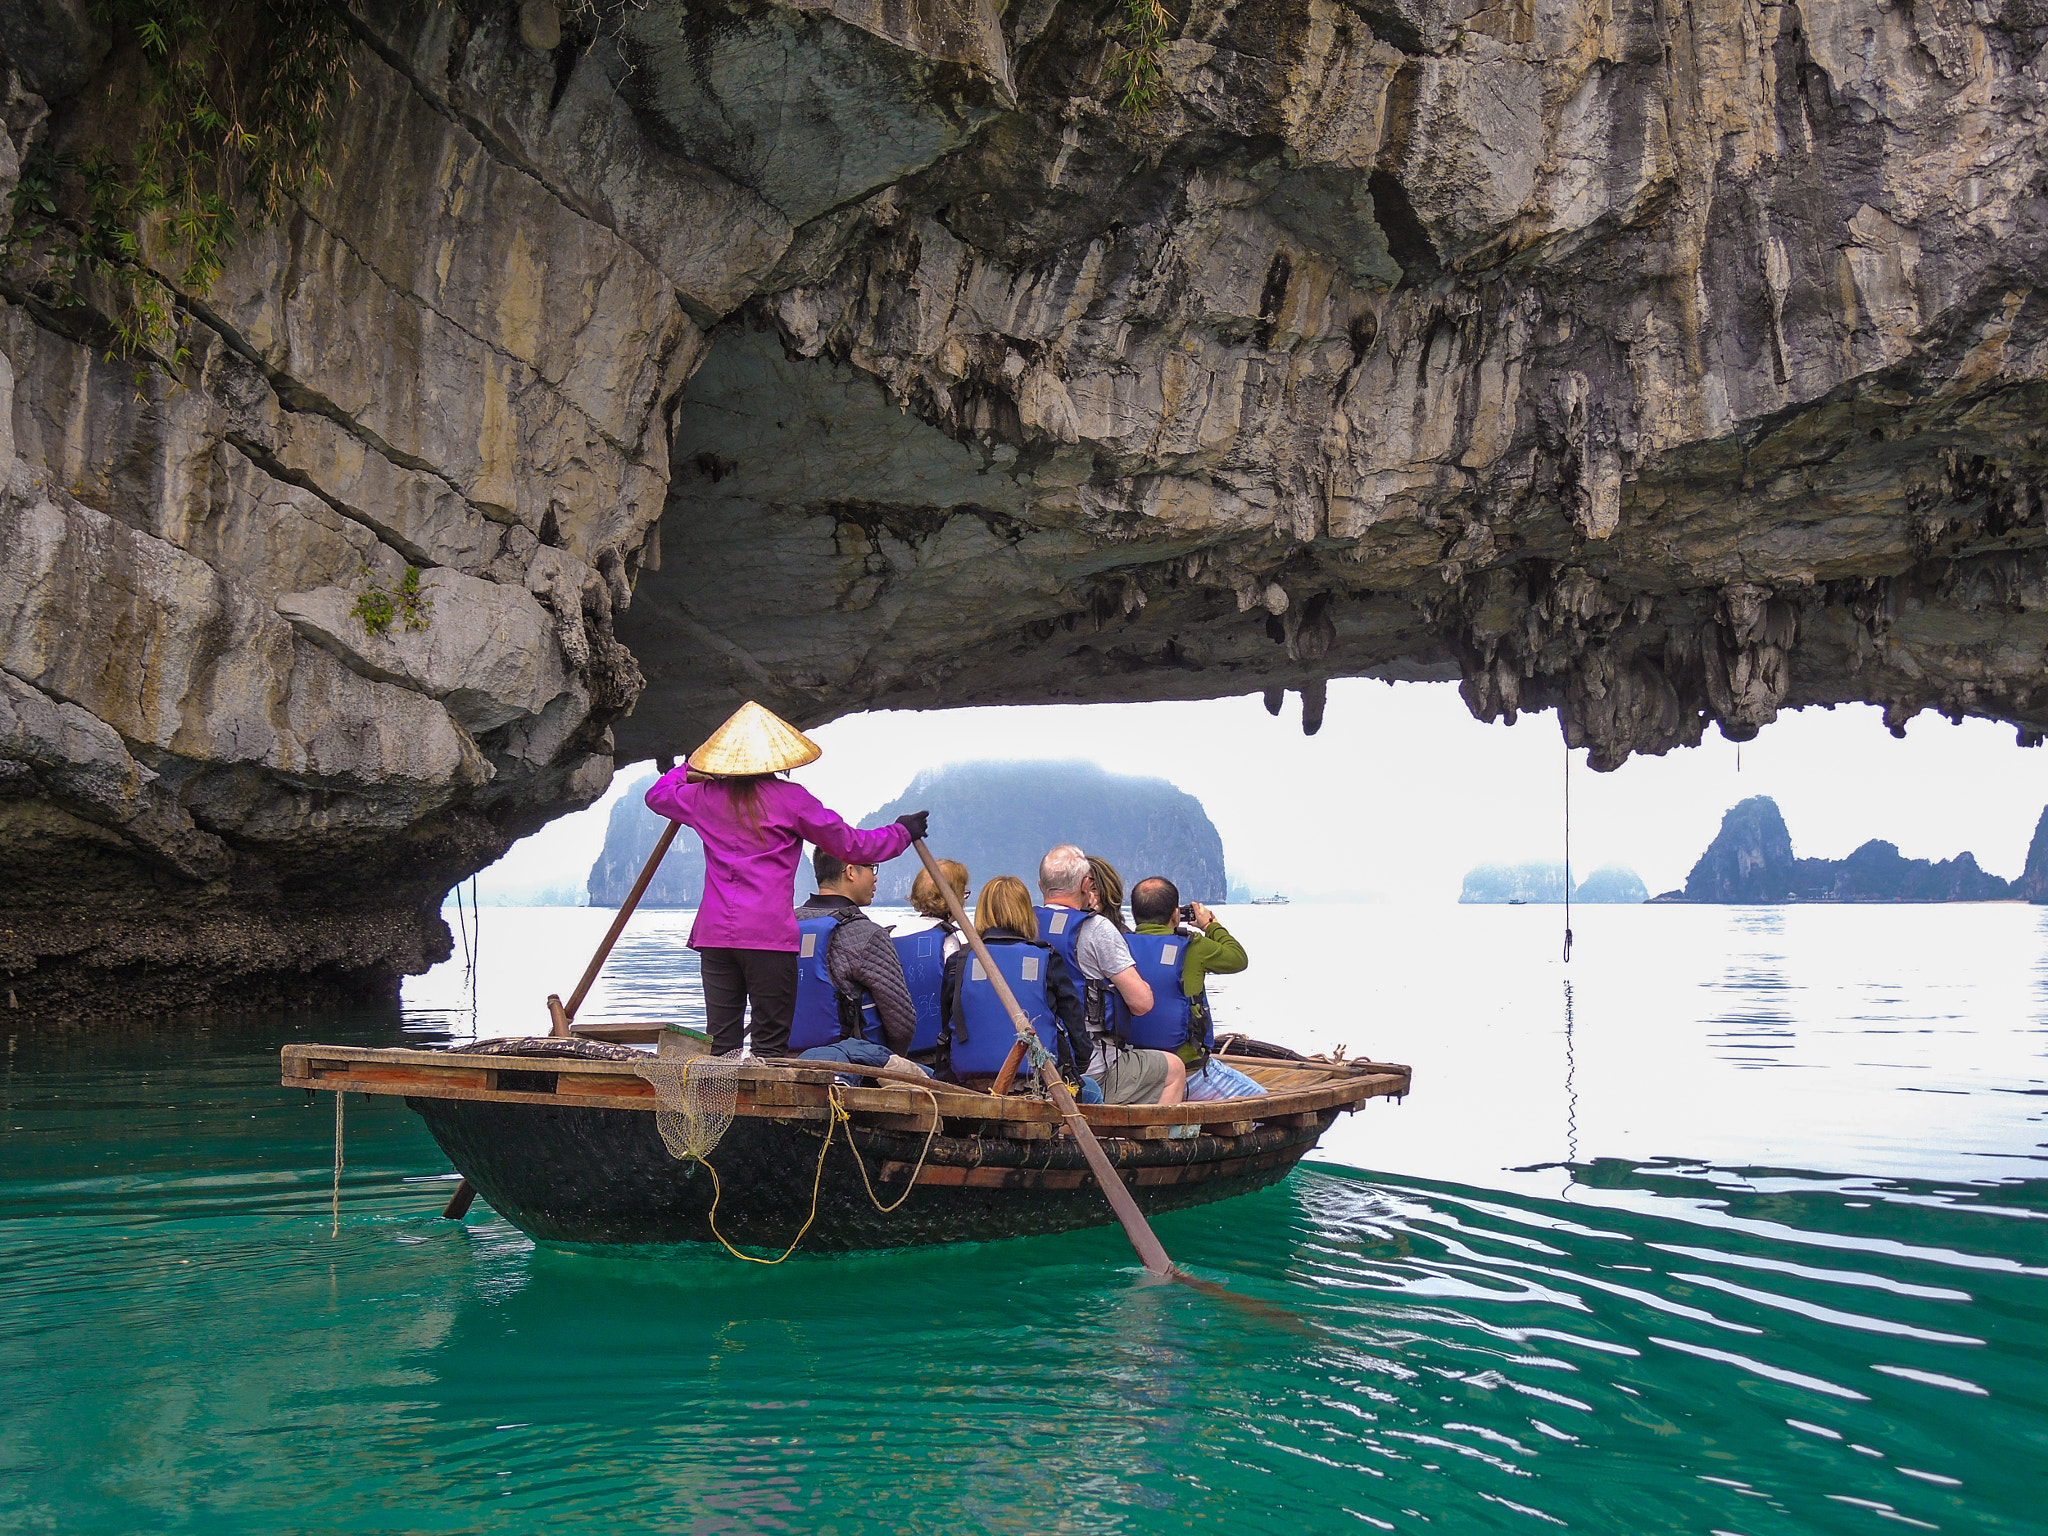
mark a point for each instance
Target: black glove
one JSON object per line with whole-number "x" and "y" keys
{"x": 917, "y": 822}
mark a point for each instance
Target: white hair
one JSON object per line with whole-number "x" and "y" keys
{"x": 1062, "y": 870}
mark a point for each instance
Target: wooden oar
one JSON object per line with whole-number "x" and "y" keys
{"x": 563, "y": 1014}
{"x": 560, "y": 1014}
{"x": 1136, "y": 1228}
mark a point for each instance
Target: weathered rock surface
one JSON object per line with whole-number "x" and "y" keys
{"x": 1751, "y": 860}
{"x": 216, "y": 783}
{"x": 1666, "y": 366}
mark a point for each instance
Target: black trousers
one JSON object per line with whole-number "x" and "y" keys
{"x": 731, "y": 978}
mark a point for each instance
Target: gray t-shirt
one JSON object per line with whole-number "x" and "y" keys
{"x": 1102, "y": 953}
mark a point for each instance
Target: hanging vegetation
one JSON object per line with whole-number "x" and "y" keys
{"x": 1137, "y": 64}
{"x": 216, "y": 122}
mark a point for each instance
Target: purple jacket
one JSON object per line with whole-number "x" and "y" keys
{"x": 750, "y": 872}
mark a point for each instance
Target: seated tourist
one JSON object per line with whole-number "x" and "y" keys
{"x": 924, "y": 955}
{"x": 851, "y": 1001}
{"x": 1177, "y": 964}
{"x": 1105, "y": 891}
{"x": 978, "y": 1032}
{"x": 1113, "y": 993}
{"x": 927, "y": 901}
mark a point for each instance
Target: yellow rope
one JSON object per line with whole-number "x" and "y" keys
{"x": 837, "y": 1113}
{"x": 817, "y": 1183}
{"x": 930, "y": 1136}
{"x": 335, "y": 1231}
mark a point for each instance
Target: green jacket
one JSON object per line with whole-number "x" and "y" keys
{"x": 1214, "y": 951}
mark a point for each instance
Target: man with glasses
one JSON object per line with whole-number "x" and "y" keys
{"x": 851, "y": 1000}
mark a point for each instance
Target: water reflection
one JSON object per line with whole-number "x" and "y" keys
{"x": 1571, "y": 1090}
{"x": 2041, "y": 967}
{"x": 1760, "y": 1009}
{"x": 653, "y": 975}
{"x": 1681, "y": 1347}
{"x": 1757, "y": 1302}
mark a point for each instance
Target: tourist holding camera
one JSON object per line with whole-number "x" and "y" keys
{"x": 1177, "y": 964}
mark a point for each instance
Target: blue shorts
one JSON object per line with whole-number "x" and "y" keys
{"x": 1216, "y": 1081}
{"x": 862, "y": 1053}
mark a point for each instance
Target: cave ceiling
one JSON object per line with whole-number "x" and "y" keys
{"x": 1589, "y": 359}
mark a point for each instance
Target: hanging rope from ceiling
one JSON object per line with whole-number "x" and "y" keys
{"x": 1567, "y": 854}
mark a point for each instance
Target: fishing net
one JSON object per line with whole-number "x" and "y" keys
{"x": 697, "y": 1095}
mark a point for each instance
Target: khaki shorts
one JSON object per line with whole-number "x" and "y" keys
{"x": 1133, "y": 1077}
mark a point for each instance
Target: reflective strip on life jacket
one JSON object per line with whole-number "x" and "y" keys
{"x": 1103, "y": 1005}
{"x": 1173, "y": 1022}
{"x": 983, "y": 1034}
{"x": 820, "y": 1018}
{"x": 924, "y": 970}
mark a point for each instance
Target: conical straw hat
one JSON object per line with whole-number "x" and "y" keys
{"x": 754, "y": 741}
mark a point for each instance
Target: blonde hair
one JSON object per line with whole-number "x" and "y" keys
{"x": 1004, "y": 903}
{"x": 924, "y": 891}
{"x": 1109, "y": 891}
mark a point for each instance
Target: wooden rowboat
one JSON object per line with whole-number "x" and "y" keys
{"x": 566, "y": 1148}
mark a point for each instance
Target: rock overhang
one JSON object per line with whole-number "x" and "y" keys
{"x": 1660, "y": 369}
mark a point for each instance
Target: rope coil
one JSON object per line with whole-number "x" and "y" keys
{"x": 698, "y": 1099}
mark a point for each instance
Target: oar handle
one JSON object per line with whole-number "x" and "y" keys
{"x": 1151, "y": 1253}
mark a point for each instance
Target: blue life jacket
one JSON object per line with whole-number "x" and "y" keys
{"x": 1106, "y": 1011}
{"x": 924, "y": 969}
{"x": 983, "y": 1033}
{"x": 1176, "y": 1019}
{"x": 824, "y": 1014}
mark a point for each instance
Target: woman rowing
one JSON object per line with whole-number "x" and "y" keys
{"x": 753, "y": 826}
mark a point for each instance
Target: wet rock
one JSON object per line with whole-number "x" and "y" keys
{"x": 1667, "y": 369}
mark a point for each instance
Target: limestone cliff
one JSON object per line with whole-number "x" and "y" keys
{"x": 629, "y": 837}
{"x": 1665, "y": 365}
{"x": 1751, "y": 860}
{"x": 2032, "y": 884}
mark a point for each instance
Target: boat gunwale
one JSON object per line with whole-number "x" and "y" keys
{"x": 776, "y": 1091}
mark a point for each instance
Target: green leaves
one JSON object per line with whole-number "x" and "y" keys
{"x": 224, "y": 126}
{"x": 377, "y": 610}
{"x": 1137, "y": 62}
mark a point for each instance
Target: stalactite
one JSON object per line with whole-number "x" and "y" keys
{"x": 1315, "y": 697}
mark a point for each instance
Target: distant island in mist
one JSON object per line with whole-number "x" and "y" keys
{"x": 1750, "y": 860}
{"x": 629, "y": 837}
{"x": 997, "y": 818}
{"x": 1543, "y": 880}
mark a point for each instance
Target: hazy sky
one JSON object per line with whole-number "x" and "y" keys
{"x": 1402, "y": 791}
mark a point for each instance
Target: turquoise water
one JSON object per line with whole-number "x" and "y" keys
{"x": 1745, "y": 1234}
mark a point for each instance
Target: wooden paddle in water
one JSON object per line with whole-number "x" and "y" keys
{"x": 1136, "y": 1228}
{"x": 560, "y": 1014}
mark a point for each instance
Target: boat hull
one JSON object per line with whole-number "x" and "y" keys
{"x": 576, "y": 1174}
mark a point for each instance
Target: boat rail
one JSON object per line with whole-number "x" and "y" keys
{"x": 1300, "y": 1094}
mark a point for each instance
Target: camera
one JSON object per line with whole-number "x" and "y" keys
{"x": 1187, "y": 912}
